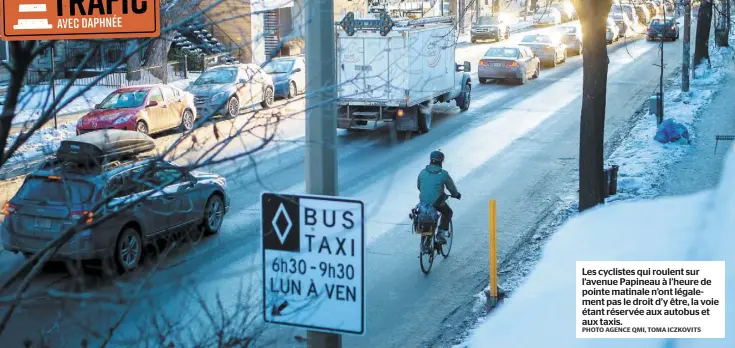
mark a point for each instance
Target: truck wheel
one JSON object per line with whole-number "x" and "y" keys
{"x": 425, "y": 118}
{"x": 464, "y": 99}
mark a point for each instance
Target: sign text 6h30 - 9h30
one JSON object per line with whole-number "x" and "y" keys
{"x": 79, "y": 19}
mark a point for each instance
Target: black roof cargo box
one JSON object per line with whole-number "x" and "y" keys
{"x": 103, "y": 146}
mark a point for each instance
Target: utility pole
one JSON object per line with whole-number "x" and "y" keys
{"x": 686, "y": 57}
{"x": 496, "y": 6}
{"x": 321, "y": 119}
{"x": 477, "y": 9}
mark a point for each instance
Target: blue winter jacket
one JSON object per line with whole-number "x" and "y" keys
{"x": 431, "y": 183}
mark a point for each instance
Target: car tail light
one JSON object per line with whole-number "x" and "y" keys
{"x": 87, "y": 216}
{"x": 511, "y": 64}
{"x": 483, "y": 63}
{"x": 673, "y": 27}
{"x": 8, "y": 209}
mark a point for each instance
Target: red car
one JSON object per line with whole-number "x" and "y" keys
{"x": 147, "y": 109}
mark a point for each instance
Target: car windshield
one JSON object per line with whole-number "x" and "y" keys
{"x": 216, "y": 77}
{"x": 280, "y": 66}
{"x": 545, "y": 39}
{"x": 657, "y": 22}
{"x": 124, "y": 99}
{"x": 628, "y": 10}
{"x": 42, "y": 189}
{"x": 486, "y": 20}
{"x": 617, "y": 9}
{"x": 502, "y": 52}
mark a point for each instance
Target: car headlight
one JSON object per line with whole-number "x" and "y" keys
{"x": 122, "y": 119}
{"x": 218, "y": 96}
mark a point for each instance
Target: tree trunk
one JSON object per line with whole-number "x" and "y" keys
{"x": 592, "y": 15}
{"x": 704, "y": 25}
{"x": 534, "y": 5}
{"x": 133, "y": 63}
{"x": 20, "y": 59}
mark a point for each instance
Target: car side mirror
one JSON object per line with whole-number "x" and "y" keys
{"x": 242, "y": 81}
{"x": 152, "y": 104}
{"x": 96, "y": 106}
{"x": 467, "y": 66}
{"x": 193, "y": 180}
{"x": 296, "y": 70}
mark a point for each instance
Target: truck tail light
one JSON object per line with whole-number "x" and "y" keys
{"x": 8, "y": 209}
{"x": 511, "y": 64}
{"x": 87, "y": 216}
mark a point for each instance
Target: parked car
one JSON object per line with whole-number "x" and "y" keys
{"x": 612, "y": 31}
{"x": 517, "y": 63}
{"x": 490, "y": 28}
{"x": 547, "y": 16}
{"x": 547, "y": 47}
{"x": 227, "y": 89}
{"x": 660, "y": 29}
{"x": 566, "y": 9}
{"x": 644, "y": 16}
{"x": 149, "y": 201}
{"x": 288, "y": 74}
{"x": 147, "y": 109}
{"x": 622, "y": 19}
{"x": 571, "y": 36}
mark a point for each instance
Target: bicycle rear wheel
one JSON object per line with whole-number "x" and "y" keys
{"x": 426, "y": 254}
{"x": 446, "y": 248}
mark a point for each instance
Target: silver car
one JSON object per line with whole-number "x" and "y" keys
{"x": 612, "y": 31}
{"x": 549, "y": 48}
{"x": 139, "y": 202}
{"x": 571, "y": 36}
{"x": 227, "y": 89}
{"x": 509, "y": 63}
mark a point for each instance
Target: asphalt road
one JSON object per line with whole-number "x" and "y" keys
{"x": 516, "y": 144}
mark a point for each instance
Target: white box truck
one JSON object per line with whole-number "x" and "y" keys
{"x": 396, "y": 70}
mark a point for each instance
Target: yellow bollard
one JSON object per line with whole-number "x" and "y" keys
{"x": 493, "y": 253}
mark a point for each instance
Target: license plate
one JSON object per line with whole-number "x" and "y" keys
{"x": 42, "y": 223}
{"x": 497, "y": 65}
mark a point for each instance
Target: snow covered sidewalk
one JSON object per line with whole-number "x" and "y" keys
{"x": 699, "y": 227}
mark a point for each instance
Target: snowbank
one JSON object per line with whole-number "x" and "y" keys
{"x": 34, "y": 99}
{"x": 642, "y": 160}
{"x": 541, "y": 312}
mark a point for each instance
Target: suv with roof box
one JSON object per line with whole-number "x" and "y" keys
{"x": 120, "y": 200}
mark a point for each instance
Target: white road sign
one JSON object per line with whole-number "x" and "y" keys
{"x": 313, "y": 262}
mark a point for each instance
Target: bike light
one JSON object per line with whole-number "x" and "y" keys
{"x": 399, "y": 113}
{"x": 88, "y": 216}
{"x": 8, "y": 209}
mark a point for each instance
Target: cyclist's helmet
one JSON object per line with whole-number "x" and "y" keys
{"x": 436, "y": 156}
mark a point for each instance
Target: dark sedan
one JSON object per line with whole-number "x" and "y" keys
{"x": 663, "y": 30}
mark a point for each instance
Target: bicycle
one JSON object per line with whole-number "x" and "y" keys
{"x": 429, "y": 245}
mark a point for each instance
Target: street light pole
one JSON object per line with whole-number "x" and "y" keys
{"x": 686, "y": 56}
{"x": 321, "y": 119}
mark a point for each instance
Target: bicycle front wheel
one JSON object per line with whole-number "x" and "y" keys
{"x": 446, "y": 248}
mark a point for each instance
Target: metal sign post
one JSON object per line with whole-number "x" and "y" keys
{"x": 53, "y": 83}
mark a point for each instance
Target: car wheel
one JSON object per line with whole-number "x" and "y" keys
{"x": 482, "y": 80}
{"x": 473, "y": 40}
{"x": 555, "y": 61}
{"x": 268, "y": 98}
{"x": 128, "y": 250}
{"x": 537, "y": 73}
{"x": 214, "y": 213}
{"x": 463, "y": 101}
{"x": 233, "y": 107}
{"x": 292, "y": 90}
{"x": 187, "y": 120}
{"x": 523, "y": 80}
{"x": 141, "y": 127}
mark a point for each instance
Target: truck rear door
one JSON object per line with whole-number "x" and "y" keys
{"x": 363, "y": 68}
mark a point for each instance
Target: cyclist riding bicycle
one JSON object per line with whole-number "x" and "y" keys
{"x": 431, "y": 183}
